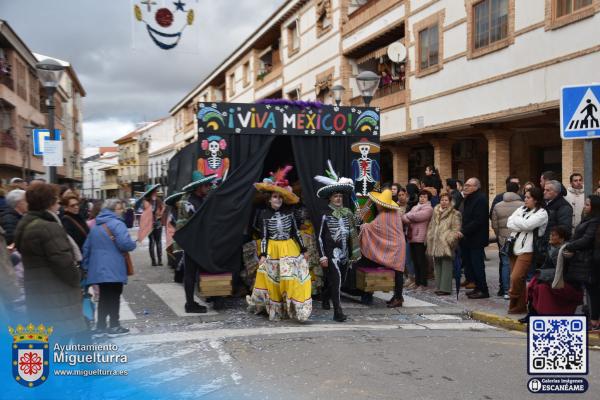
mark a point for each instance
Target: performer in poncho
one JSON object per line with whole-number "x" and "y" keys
{"x": 282, "y": 288}
{"x": 382, "y": 241}
{"x": 151, "y": 222}
{"x": 336, "y": 237}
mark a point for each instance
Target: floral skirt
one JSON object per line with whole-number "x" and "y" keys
{"x": 283, "y": 284}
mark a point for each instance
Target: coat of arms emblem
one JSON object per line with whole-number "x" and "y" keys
{"x": 30, "y": 354}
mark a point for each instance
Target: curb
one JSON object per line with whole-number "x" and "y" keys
{"x": 511, "y": 324}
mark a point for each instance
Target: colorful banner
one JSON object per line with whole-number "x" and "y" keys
{"x": 287, "y": 119}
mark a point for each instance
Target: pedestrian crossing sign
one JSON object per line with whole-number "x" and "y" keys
{"x": 580, "y": 112}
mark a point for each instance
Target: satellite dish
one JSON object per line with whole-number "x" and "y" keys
{"x": 396, "y": 52}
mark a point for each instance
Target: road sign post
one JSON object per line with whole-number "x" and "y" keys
{"x": 580, "y": 119}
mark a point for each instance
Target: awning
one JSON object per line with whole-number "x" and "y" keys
{"x": 375, "y": 54}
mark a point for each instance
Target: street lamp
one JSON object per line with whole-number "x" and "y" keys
{"x": 49, "y": 72}
{"x": 368, "y": 82}
{"x": 338, "y": 92}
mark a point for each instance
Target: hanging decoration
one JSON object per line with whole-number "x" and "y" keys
{"x": 167, "y": 28}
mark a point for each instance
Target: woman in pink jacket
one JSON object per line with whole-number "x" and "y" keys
{"x": 417, "y": 220}
{"x": 151, "y": 222}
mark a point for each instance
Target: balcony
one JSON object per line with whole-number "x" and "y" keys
{"x": 385, "y": 97}
{"x": 365, "y": 13}
{"x": 7, "y": 139}
{"x": 7, "y": 81}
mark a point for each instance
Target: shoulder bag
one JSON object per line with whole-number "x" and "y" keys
{"x": 126, "y": 255}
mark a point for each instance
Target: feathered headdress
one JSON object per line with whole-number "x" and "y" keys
{"x": 333, "y": 182}
{"x": 277, "y": 182}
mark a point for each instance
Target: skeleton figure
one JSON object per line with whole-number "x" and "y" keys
{"x": 214, "y": 163}
{"x": 365, "y": 171}
{"x": 277, "y": 225}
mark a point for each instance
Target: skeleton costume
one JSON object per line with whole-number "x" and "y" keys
{"x": 336, "y": 239}
{"x": 282, "y": 287}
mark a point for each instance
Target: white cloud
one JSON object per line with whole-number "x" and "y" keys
{"x": 104, "y": 132}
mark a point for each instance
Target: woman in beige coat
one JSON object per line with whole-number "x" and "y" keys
{"x": 443, "y": 235}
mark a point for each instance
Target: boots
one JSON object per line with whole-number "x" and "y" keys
{"x": 338, "y": 315}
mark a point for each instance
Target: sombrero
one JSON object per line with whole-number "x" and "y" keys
{"x": 333, "y": 183}
{"x": 374, "y": 147}
{"x": 174, "y": 198}
{"x": 149, "y": 190}
{"x": 384, "y": 199}
{"x": 277, "y": 183}
{"x": 198, "y": 179}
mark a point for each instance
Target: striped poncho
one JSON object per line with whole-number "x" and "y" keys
{"x": 383, "y": 240}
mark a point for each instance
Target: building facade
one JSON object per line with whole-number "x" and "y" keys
{"x": 476, "y": 95}
{"x": 93, "y": 166}
{"x": 129, "y": 171}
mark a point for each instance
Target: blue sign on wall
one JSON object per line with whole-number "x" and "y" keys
{"x": 39, "y": 136}
{"x": 580, "y": 112}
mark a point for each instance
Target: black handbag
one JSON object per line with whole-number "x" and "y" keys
{"x": 546, "y": 275}
{"x": 507, "y": 248}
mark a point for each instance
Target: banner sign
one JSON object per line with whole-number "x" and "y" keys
{"x": 287, "y": 119}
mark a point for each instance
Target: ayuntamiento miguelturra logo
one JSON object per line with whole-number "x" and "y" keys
{"x": 30, "y": 354}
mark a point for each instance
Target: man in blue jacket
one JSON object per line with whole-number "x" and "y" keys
{"x": 475, "y": 231}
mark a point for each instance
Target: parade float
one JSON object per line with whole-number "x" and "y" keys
{"x": 241, "y": 143}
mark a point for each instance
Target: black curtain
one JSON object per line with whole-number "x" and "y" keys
{"x": 213, "y": 237}
{"x": 311, "y": 155}
{"x": 181, "y": 167}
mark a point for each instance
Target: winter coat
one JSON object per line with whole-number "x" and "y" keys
{"x": 559, "y": 212}
{"x": 418, "y": 219}
{"x": 522, "y": 224}
{"x": 148, "y": 219}
{"x": 579, "y": 268}
{"x": 442, "y": 233}
{"x": 103, "y": 258}
{"x": 51, "y": 277}
{"x": 8, "y": 221}
{"x": 576, "y": 198}
{"x": 76, "y": 227}
{"x": 475, "y": 225}
{"x": 500, "y": 213}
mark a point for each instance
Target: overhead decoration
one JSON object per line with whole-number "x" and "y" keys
{"x": 168, "y": 24}
{"x": 287, "y": 118}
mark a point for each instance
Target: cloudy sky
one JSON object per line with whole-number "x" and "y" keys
{"x": 127, "y": 78}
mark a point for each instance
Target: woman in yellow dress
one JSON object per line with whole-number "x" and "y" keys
{"x": 283, "y": 286}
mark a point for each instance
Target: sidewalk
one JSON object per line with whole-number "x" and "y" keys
{"x": 493, "y": 310}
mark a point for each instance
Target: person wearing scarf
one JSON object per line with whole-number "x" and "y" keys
{"x": 337, "y": 240}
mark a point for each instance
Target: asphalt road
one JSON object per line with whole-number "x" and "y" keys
{"x": 422, "y": 351}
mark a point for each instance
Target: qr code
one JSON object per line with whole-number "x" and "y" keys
{"x": 557, "y": 345}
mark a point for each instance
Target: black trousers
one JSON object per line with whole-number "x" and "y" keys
{"x": 594, "y": 292}
{"x": 155, "y": 241}
{"x": 417, "y": 251}
{"x": 398, "y": 283}
{"x": 335, "y": 276}
{"x": 110, "y": 296}
{"x": 191, "y": 274}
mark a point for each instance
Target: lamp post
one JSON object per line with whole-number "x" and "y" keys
{"x": 49, "y": 72}
{"x": 28, "y": 134}
{"x": 338, "y": 92}
{"x": 368, "y": 82}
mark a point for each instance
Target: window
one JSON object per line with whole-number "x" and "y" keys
{"x": 247, "y": 78}
{"x": 566, "y": 7}
{"x": 293, "y": 38}
{"x": 490, "y": 26}
{"x": 21, "y": 80}
{"x": 294, "y": 94}
{"x": 490, "y": 21}
{"x": 323, "y": 16}
{"x": 34, "y": 91}
{"x": 231, "y": 84}
{"x": 429, "y": 47}
{"x": 563, "y": 12}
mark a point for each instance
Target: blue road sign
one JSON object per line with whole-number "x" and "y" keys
{"x": 580, "y": 112}
{"x": 39, "y": 136}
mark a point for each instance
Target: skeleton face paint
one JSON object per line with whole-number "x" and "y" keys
{"x": 337, "y": 199}
{"x": 276, "y": 201}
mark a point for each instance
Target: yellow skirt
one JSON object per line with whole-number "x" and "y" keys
{"x": 283, "y": 285}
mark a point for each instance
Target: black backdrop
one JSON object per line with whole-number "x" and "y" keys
{"x": 181, "y": 167}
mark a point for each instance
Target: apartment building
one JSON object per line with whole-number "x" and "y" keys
{"x": 94, "y": 166}
{"x": 476, "y": 95}
{"x": 23, "y": 108}
{"x": 20, "y": 107}
{"x": 129, "y": 164}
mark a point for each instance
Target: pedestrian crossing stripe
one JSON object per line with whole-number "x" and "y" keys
{"x": 580, "y": 112}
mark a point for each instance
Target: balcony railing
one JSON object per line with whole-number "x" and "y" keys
{"x": 386, "y": 96}
{"x": 7, "y": 81}
{"x": 7, "y": 139}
